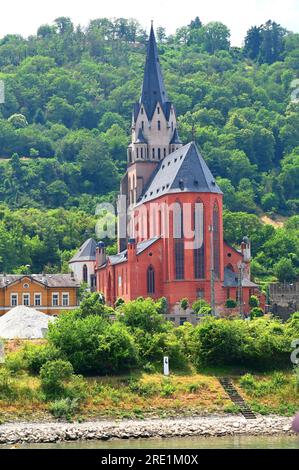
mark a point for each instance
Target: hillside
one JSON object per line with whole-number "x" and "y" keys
{"x": 69, "y": 95}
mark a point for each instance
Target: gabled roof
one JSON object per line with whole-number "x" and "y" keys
{"x": 86, "y": 252}
{"x": 175, "y": 138}
{"x": 181, "y": 171}
{"x": 153, "y": 89}
{"x": 50, "y": 280}
{"x": 122, "y": 256}
{"x": 140, "y": 138}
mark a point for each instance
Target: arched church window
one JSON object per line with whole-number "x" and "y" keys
{"x": 153, "y": 153}
{"x": 141, "y": 152}
{"x": 178, "y": 232}
{"x": 159, "y": 153}
{"x": 85, "y": 273}
{"x": 142, "y": 125}
{"x": 150, "y": 280}
{"x": 141, "y": 110}
{"x": 158, "y": 109}
{"x": 164, "y": 152}
{"x": 159, "y": 125}
{"x": 137, "y": 152}
{"x": 199, "y": 246}
{"x": 216, "y": 241}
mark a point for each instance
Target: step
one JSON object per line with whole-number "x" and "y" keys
{"x": 236, "y": 398}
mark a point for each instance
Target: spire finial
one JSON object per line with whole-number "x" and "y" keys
{"x": 152, "y": 23}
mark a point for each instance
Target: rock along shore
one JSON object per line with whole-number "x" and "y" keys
{"x": 12, "y": 433}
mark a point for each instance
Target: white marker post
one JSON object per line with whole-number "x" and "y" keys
{"x": 166, "y": 365}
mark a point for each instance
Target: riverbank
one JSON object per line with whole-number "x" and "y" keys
{"x": 13, "y": 433}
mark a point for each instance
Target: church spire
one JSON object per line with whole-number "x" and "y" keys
{"x": 153, "y": 89}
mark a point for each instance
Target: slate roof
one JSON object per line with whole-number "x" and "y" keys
{"x": 86, "y": 252}
{"x": 231, "y": 279}
{"x": 153, "y": 89}
{"x": 181, "y": 171}
{"x": 141, "y": 246}
{"x": 140, "y": 138}
{"x": 175, "y": 138}
{"x": 50, "y": 280}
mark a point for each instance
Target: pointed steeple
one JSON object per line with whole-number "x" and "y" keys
{"x": 153, "y": 89}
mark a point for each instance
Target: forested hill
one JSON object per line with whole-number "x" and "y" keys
{"x": 65, "y": 123}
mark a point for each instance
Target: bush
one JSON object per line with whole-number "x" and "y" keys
{"x": 184, "y": 303}
{"x": 143, "y": 314}
{"x": 256, "y": 312}
{"x": 200, "y": 305}
{"x": 54, "y": 375}
{"x": 262, "y": 343}
{"x": 64, "y": 408}
{"x": 254, "y": 301}
{"x": 167, "y": 390}
{"x": 162, "y": 305}
{"x": 230, "y": 303}
{"x": 7, "y": 389}
{"x": 92, "y": 344}
{"x": 119, "y": 302}
{"x": 35, "y": 356}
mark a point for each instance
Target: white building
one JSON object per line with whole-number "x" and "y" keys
{"x": 82, "y": 263}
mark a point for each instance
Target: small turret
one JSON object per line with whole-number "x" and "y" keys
{"x": 132, "y": 250}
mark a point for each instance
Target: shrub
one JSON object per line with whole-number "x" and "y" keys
{"x": 143, "y": 314}
{"x": 35, "y": 356}
{"x": 64, "y": 408}
{"x": 162, "y": 305}
{"x": 262, "y": 343}
{"x": 199, "y": 305}
{"x": 93, "y": 303}
{"x": 167, "y": 390}
{"x": 119, "y": 302}
{"x": 54, "y": 375}
{"x": 256, "y": 312}
{"x": 7, "y": 389}
{"x": 254, "y": 301}
{"x": 230, "y": 303}
{"x": 184, "y": 304}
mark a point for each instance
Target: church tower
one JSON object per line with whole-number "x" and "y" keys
{"x": 154, "y": 133}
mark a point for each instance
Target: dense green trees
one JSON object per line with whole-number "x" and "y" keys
{"x": 65, "y": 123}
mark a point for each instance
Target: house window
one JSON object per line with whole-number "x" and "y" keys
{"x": 14, "y": 300}
{"x": 150, "y": 280}
{"x": 159, "y": 125}
{"x": 199, "y": 251}
{"x": 183, "y": 320}
{"x": 85, "y": 273}
{"x": 26, "y": 299}
{"x": 65, "y": 299}
{"x": 37, "y": 300}
{"x": 216, "y": 241}
{"x": 55, "y": 300}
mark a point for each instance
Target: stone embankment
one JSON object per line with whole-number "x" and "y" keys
{"x": 12, "y": 433}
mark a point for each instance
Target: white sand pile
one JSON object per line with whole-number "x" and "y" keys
{"x": 24, "y": 322}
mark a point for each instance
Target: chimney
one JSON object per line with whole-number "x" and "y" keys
{"x": 100, "y": 254}
{"x": 132, "y": 252}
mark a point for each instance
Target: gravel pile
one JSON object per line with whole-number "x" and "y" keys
{"x": 25, "y": 323}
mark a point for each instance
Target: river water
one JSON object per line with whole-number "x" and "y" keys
{"x": 227, "y": 442}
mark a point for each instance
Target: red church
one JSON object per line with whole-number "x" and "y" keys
{"x": 170, "y": 229}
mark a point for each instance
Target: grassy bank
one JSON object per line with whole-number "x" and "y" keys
{"x": 143, "y": 395}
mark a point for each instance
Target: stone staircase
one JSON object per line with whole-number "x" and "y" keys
{"x": 236, "y": 398}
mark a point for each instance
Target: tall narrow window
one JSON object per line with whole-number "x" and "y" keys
{"x": 179, "y": 253}
{"x": 199, "y": 250}
{"x": 150, "y": 280}
{"x": 141, "y": 152}
{"x": 164, "y": 152}
{"x": 159, "y": 125}
{"x": 216, "y": 241}
{"x": 85, "y": 274}
{"x": 158, "y": 109}
{"x": 153, "y": 153}
{"x": 142, "y": 125}
{"x": 159, "y": 153}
